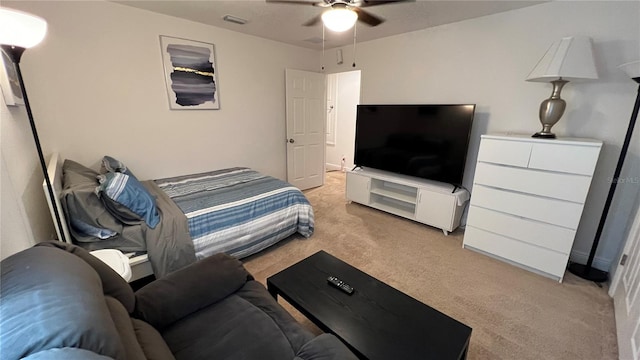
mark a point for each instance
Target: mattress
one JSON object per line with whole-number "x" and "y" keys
{"x": 238, "y": 211}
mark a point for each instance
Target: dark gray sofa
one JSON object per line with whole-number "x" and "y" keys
{"x": 57, "y": 301}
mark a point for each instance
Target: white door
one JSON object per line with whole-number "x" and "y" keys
{"x": 305, "y": 101}
{"x": 625, "y": 290}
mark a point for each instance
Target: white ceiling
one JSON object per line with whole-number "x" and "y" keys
{"x": 283, "y": 22}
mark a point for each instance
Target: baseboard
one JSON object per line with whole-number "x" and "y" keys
{"x": 332, "y": 167}
{"x": 598, "y": 262}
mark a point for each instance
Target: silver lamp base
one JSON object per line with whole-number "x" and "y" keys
{"x": 551, "y": 110}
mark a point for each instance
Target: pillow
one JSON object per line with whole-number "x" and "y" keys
{"x": 119, "y": 189}
{"x": 85, "y": 212}
{"x": 151, "y": 341}
{"x": 110, "y": 164}
{"x": 89, "y": 230}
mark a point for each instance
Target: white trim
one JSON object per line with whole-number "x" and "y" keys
{"x": 332, "y": 167}
{"x": 582, "y": 258}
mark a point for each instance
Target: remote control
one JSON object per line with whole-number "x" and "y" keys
{"x": 340, "y": 284}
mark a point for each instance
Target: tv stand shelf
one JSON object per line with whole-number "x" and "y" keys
{"x": 428, "y": 202}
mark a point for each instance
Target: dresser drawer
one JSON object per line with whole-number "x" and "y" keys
{"x": 568, "y": 187}
{"x": 544, "y": 260}
{"x": 556, "y": 212}
{"x": 505, "y": 152}
{"x": 532, "y": 232}
{"x": 565, "y": 158}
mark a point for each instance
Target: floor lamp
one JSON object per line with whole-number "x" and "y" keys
{"x": 587, "y": 271}
{"x": 18, "y": 32}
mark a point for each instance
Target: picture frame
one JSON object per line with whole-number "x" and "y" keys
{"x": 191, "y": 74}
{"x": 9, "y": 82}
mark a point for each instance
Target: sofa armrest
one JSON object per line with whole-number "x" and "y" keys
{"x": 325, "y": 347}
{"x": 185, "y": 291}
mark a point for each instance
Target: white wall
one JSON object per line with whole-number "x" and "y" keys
{"x": 347, "y": 93}
{"x": 23, "y": 212}
{"x": 96, "y": 84}
{"x": 13, "y": 231}
{"x": 485, "y": 61}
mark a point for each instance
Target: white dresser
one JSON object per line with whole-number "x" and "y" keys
{"x": 527, "y": 199}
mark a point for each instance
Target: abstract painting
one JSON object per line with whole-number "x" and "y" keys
{"x": 190, "y": 74}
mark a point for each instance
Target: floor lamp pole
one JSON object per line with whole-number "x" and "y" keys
{"x": 587, "y": 271}
{"x": 15, "y": 53}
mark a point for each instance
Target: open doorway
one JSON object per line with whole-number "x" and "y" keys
{"x": 343, "y": 96}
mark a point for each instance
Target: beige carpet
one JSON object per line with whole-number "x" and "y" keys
{"x": 515, "y": 314}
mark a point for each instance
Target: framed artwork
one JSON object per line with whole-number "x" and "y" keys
{"x": 9, "y": 82}
{"x": 190, "y": 74}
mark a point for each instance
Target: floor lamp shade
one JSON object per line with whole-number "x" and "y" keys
{"x": 21, "y": 29}
{"x": 570, "y": 58}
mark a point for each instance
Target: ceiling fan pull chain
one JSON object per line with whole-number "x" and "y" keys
{"x": 354, "y": 45}
{"x": 322, "y": 47}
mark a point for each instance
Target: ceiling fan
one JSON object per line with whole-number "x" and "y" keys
{"x": 342, "y": 14}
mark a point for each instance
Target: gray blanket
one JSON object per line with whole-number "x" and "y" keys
{"x": 169, "y": 245}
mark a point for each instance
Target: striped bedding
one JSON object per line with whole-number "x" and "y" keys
{"x": 238, "y": 211}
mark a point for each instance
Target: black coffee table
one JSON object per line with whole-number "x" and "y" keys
{"x": 376, "y": 321}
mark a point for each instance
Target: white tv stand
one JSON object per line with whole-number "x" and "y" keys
{"x": 428, "y": 202}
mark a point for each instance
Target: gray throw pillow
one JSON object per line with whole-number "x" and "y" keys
{"x": 89, "y": 219}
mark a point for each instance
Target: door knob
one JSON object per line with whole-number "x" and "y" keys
{"x": 291, "y": 141}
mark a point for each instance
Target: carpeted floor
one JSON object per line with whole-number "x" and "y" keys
{"x": 515, "y": 314}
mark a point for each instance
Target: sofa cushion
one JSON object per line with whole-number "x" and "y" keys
{"x": 256, "y": 295}
{"x": 112, "y": 283}
{"x": 189, "y": 289}
{"x": 41, "y": 310}
{"x": 66, "y": 354}
{"x": 325, "y": 347}
{"x": 151, "y": 341}
{"x": 232, "y": 329}
{"x": 122, "y": 320}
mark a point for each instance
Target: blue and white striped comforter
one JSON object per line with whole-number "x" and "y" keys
{"x": 238, "y": 211}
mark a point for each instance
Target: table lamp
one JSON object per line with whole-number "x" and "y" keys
{"x": 568, "y": 59}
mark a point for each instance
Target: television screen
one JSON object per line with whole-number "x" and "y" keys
{"x": 426, "y": 141}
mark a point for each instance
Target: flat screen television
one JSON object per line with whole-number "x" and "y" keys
{"x": 425, "y": 141}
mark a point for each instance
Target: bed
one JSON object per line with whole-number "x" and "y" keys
{"x": 238, "y": 211}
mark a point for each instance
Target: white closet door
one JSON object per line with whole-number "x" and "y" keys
{"x": 625, "y": 290}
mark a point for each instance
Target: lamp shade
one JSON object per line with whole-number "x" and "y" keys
{"x": 340, "y": 19}
{"x": 570, "y": 58}
{"x": 20, "y": 29}
{"x": 631, "y": 68}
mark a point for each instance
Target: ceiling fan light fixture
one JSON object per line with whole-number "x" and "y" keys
{"x": 339, "y": 20}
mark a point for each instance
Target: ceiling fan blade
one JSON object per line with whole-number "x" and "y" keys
{"x": 295, "y": 2}
{"x": 367, "y": 17}
{"x": 367, "y": 3}
{"x": 313, "y": 21}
